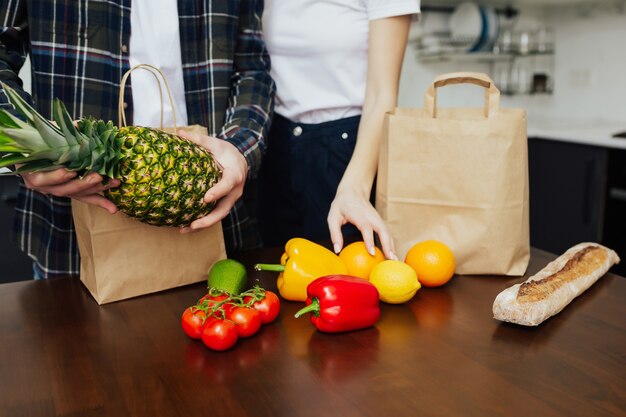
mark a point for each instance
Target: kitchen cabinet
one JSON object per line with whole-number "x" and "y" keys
{"x": 614, "y": 231}
{"x": 15, "y": 265}
{"x": 577, "y": 194}
{"x": 567, "y": 187}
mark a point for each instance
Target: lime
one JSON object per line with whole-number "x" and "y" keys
{"x": 396, "y": 281}
{"x": 228, "y": 275}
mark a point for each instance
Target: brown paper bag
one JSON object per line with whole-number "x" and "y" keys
{"x": 460, "y": 176}
{"x": 123, "y": 258}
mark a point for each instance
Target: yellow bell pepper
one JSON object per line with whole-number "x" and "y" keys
{"x": 302, "y": 263}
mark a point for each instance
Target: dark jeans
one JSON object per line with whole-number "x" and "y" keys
{"x": 299, "y": 177}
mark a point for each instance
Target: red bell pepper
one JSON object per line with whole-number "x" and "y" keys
{"x": 340, "y": 303}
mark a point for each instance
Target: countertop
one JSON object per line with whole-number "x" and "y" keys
{"x": 441, "y": 354}
{"x": 595, "y": 133}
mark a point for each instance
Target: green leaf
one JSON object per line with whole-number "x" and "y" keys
{"x": 26, "y": 138}
{"x": 36, "y": 166}
{"x": 49, "y": 133}
{"x": 9, "y": 160}
{"x": 50, "y": 156}
{"x": 71, "y": 154}
{"x": 7, "y": 119}
{"x": 6, "y": 140}
{"x": 12, "y": 122}
{"x": 65, "y": 122}
{"x": 19, "y": 103}
{"x": 11, "y": 148}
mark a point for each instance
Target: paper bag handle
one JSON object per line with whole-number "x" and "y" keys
{"x": 492, "y": 94}
{"x": 158, "y": 75}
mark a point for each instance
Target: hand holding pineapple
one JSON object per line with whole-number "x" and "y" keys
{"x": 63, "y": 183}
{"x": 229, "y": 188}
{"x": 163, "y": 177}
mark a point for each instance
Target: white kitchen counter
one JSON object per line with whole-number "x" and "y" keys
{"x": 590, "y": 133}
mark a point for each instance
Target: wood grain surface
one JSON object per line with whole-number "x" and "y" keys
{"x": 442, "y": 354}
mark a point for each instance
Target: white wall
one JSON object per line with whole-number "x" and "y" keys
{"x": 589, "y": 68}
{"x": 25, "y": 75}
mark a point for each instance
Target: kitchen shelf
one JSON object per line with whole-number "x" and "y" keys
{"x": 437, "y": 57}
{"x": 515, "y": 72}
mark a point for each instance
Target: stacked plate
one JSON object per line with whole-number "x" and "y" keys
{"x": 474, "y": 26}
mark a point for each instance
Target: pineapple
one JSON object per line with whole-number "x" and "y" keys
{"x": 163, "y": 177}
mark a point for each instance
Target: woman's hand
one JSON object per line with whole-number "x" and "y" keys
{"x": 350, "y": 206}
{"x": 63, "y": 183}
{"x": 230, "y": 188}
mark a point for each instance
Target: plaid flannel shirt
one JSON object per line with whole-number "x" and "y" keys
{"x": 79, "y": 52}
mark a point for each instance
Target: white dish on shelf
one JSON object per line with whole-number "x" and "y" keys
{"x": 466, "y": 23}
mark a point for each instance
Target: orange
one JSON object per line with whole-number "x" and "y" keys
{"x": 433, "y": 262}
{"x": 358, "y": 261}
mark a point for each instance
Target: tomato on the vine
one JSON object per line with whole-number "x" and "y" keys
{"x": 219, "y": 334}
{"x": 214, "y": 300}
{"x": 247, "y": 320}
{"x": 193, "y": 321}
{"x": 269, "y": 307}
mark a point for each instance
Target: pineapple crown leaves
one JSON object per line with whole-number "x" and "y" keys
{"x": 39, "y": 145}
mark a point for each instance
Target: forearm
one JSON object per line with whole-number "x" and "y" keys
{"x": 249, "y": 114}
{"x": 386, "y": 53}
{"x": 13, "y": 47}
{"x": 360, "y": 173}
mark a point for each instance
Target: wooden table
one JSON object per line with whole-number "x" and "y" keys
{"x": 442, "y": 354}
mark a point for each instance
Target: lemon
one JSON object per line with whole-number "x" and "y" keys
{"x": 228, "y": 275}
{"x": 396, "y": 281}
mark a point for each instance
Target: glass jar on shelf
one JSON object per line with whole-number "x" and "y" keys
{"x": 544, "y": 41}
{"x": 520, "y": 77}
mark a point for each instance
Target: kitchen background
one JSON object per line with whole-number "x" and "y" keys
{"x": 586, "y": 68}
{"x": 562, "y": 60}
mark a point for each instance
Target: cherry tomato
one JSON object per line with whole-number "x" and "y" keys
{"x": 219, "y": 334}
{"x": 213, "y": 300}
{"x": 247, "y": 320}
{"x": 269, "y": 307}
{"x": 193, "y": 322}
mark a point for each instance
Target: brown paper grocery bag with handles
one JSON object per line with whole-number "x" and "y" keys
{"x": 120, "y": 257}
{"x": 460, "y": 176}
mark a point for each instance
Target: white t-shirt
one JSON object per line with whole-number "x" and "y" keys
{"x": 155, "y": 40}
{"x": 319, "y": 51}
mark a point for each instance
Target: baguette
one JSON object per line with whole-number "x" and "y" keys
{"x": 547, "y": 292}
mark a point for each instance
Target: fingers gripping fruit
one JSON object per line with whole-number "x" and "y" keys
{"x": 163, "y": 177}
